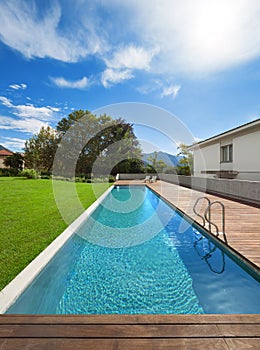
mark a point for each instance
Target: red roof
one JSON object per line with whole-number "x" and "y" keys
{"x": 5, "y": 152}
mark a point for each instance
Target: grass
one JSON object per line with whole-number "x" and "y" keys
{"x": 30, "y": 219}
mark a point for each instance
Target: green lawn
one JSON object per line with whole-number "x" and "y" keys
{"x": 30, "y": 220}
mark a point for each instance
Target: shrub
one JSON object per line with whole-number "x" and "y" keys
{"x": 29, "y": 174}
{"x": 45, "y": 173}
{"x": 46, "y": 177}
{"x": 111, "y": 178}
{"x": 8, "y": 172}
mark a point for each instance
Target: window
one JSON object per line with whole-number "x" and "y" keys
{"x": 226, "y": 154}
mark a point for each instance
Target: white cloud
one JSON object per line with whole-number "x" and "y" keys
{"x": 168, "y": 37}
{"x": 171, "y": 90}
{"x": 194, "y": 36}
{"x": 115, "y": 76}
{"x": 29, "y": 110}
{"x": 123, "y": 62}
{"x": 27, "y": 125}
{"x": 160, "y": 88}
{"x": 39, "y": 34}
{"x": 131, "y": 57}
{"x": 29, "y": 118}
{"x": 76, "y": 84}
{"x": 6, "y": 101}
{"x": 18, "y": 86}
{"x": 13, "y": 143}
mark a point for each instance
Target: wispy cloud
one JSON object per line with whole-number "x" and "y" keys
{"x": 131, "y": 57}
{"x": 13, "y": 143}
{"x": 76, "y": 84}
{"x": 18, "y": 86}
{"x": 6, "y": 101}
{"x": 29, "y": 118}
{"x": 26, "y": 125}
{"x": 36, "y": 34}
{"x": 171, "y": 90}
{"x": 196, "y": 37}
{"x": 167, "y": 37}
{"x": 161, "y": 88}
{"x": 45, "y": 113}
{"x": 115, "y": 76}
{"x": 122, "y": 64}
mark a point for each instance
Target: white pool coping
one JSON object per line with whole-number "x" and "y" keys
{"x": 15, "y": 288}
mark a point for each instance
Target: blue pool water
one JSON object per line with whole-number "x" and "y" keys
{"x": 137, "y": 255}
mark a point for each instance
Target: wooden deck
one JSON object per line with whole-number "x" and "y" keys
{"x": 242, "y": 221}
{"x": 103, "y": 332}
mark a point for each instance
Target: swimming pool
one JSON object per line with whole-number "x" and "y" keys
{"x": 131, "y": 257}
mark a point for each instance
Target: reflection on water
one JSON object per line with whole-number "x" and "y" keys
{"x": 206, "y": 250}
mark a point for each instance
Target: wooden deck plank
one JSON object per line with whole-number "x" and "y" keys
{"x": 119, "y": 331}
{"x": 243, "y": 344}
{"x": 130, "y": 331}
{"x": 135, "y": 332}
{"x": 114, "y": 344}
{"x": 130, "y": 319}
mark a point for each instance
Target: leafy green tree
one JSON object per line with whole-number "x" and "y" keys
{"x": 170, "y": 170}
{"x": 84, "y": 137}
{"x": 156, "y": 165}
{"x": 15, "y": 161}
{"x": 109, "y": 140}
{"x": 40, "y": 150}
{"x": 185, "y": 166}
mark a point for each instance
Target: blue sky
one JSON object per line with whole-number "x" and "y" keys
{"x": 198, "y": 60}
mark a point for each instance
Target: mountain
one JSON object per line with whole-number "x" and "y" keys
{"x": 169, "y": 159}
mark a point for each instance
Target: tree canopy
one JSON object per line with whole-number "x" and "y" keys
{"x": 15, "y": 161}
{"x": 86, "y": 137}
{"x": 40, "y": 150}
{"x": 185, "y": 166}
{"x": 156, "y": 165}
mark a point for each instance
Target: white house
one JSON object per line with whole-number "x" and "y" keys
{"x": 232, "y": 154}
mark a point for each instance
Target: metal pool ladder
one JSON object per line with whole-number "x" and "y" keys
{"x": 206, "y": 218}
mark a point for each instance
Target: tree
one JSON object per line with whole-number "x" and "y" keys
{"x": 185, "y": 165}
{"x": 84, "y": 137}
{"x": 40, "y": 149}
{"x": 170, "y": 170}
{"x": 104, "y": 141}
{"x": 156, "y": 165}
{"x": 15, "y": 161}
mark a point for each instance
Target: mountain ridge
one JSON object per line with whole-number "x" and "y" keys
{"x": 167, "y": 158}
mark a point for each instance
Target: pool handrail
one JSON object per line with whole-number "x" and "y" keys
{"x": 198, "y": 214}
{"x": 207, "y": 216}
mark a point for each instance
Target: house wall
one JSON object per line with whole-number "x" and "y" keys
{"x": 246, "y": 156}
{"x": 206, "y": 158}
{"x": 2, "y": 162}
{"x": 246, "y": 161}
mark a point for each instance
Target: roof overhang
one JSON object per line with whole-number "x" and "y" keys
{"x": 232, "y": 132}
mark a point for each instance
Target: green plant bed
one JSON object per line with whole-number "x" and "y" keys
{"x": 30, "y": 220}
